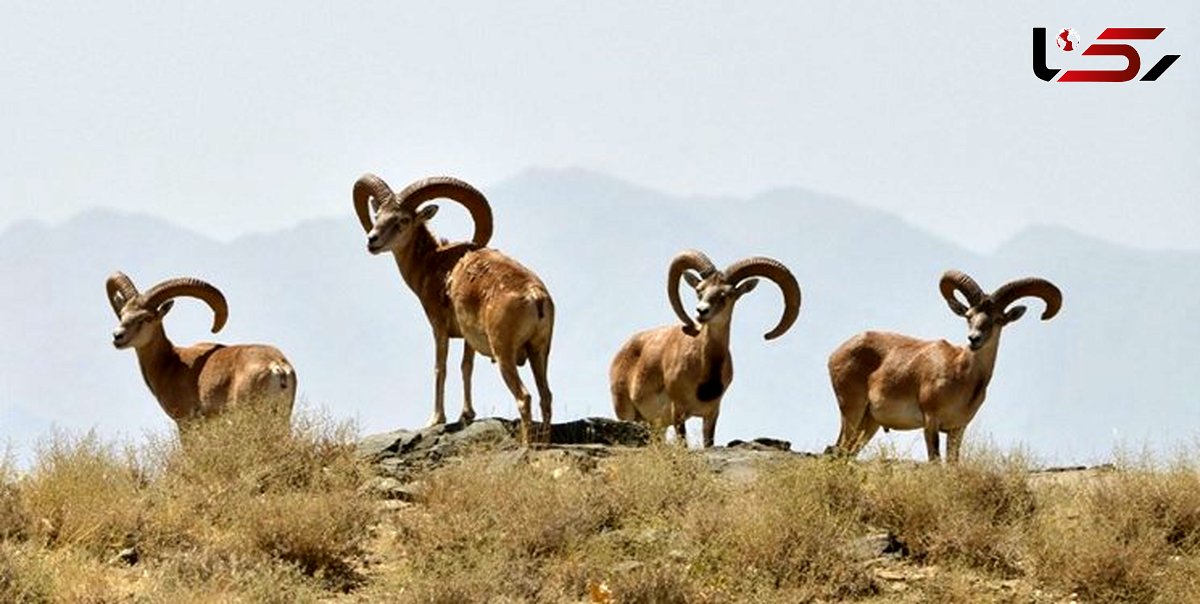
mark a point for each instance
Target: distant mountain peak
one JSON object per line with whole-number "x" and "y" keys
{"x": 1061, "y": 238}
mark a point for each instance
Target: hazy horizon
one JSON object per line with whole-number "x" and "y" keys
{"x": 224, "y": 119}
{"x": 341, "y": 214}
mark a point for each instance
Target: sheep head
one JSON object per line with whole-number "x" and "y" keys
{"x": 986, "y": 313}
{"x": 397, "y": 218}
{"x": 140, "y": 314}
{"x": 718, "y": 291}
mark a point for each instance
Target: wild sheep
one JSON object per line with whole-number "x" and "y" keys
{"x": 664, "y": 376}
{"x": 903, "y": 383}
{"x": 201, "y": 380}
{"x": 501, "y": 309}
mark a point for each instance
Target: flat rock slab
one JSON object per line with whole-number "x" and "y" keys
{"x": 403, "y": 453}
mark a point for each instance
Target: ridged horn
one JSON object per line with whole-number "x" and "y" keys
{"x": 760, "y": 266}
{"x": 457, "y": 190}
{"x": 952, "y": 281}
{"x": 1030, "y": 286}
{"x": 369, "y": 186}
{"x": 686, "y": 260}
{"x": 119, "y": 282}
{"x": 193, "y": 288}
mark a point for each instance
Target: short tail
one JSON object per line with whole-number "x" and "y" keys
{"x": 284, "y": 374}
{"x": 541, "y": 301}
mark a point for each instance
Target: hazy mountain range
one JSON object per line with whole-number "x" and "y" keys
{"x": 1116, "y": 366}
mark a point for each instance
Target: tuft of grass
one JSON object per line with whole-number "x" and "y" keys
{"x": 238, "y": 510}
{"x": 83, "y": 494}
{"x": 1129, "y": 535}
{"x": 971, "y": 513}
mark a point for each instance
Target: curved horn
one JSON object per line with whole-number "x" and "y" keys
{"x": 194, "y": 288}
{"x": 1030, "y": 286}
{"x": 452, "y": 188}
{"x": 760, "y": 266}
{"x": 959, "y": 281}
{"x": 685, "y": 260}
{"x": 118, "y": 282}
{"x": 369, "y": 186}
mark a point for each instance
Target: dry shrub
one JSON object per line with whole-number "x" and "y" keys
{"x": 654, "y": 525}
{"x": 14, "y": 518}
{"x": 242, "y": 512}
{"x": 200, "y": 577}
{"x": 657, "y": 483}
{"x": 1130, "y": 535}
{"x": 83, "y": 493}
{"x": 31, "y": 574}
{"x": 488, "y": 525}
{"x": 790, "y": 530}
{"x": 292, "y": 497}
{"x": 975, "y": 512}
{"x": 1180, "y": 581}
{"x": 654, "y": 584}
{"x": 24, "y": 578}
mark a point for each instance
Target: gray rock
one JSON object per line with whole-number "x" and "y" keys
{"x": 403, "y": 454}
{"x": 378, "y": 445}
{"x": 761, "y": 444}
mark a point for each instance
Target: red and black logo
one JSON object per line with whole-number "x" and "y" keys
{"x": 1067, "y": 40}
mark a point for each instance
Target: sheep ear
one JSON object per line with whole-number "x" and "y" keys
{"x": 427, "y": 212}
{"x": 118, "y": 299}
{"x": 746, "y": 286}
{"x": 1014, "y": 313}
{"x": 691, "y": 278}
{"x": 165, "y": 307}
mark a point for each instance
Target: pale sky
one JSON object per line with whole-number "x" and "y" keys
{"x": 244, "y": 117}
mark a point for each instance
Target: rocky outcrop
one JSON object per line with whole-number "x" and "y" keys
{"x": 401, "y": 456}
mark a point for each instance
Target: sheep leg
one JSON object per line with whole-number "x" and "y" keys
{"x": 954, "y": 440}
{"x": 710, "y": 428}
{"x": 852, "y": 402}
{"x": 442, "y": 348}
{"x": 866, "y": 430}
{"x": 623, "y": 405}
{"x": 508, "y": 371}
{"x": 932, "y": 443}
{"x": 681, "y": 431}
{"x": 539, "y": 359}
{"x": 468, "y": 367}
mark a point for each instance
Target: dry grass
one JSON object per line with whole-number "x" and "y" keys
{"x": 1133, "y": 535}
{"x": 657, "y": 525}
{"x": 236, "y": 515}
{"x": 239, "y": 516}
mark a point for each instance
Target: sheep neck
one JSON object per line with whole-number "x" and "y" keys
{"x": 982, "y": 362}
{"x": 161, "y": 366}
{"x": 713, "y": 341}
{"x": 415, "y": 258}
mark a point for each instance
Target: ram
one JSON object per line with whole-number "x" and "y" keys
{"x": 201, "y": 380}
{"x": 664, "y": 376}
{"x": 499, "y": 308}
{"x": 898, "y": 382}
